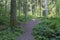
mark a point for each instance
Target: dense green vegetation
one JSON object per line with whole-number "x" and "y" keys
{"x": 8, "y": 35}
{"x": 48, "y": 29}
{"x": 16, "y": 12}
{"x": 22, "y": 18}
{"x": 5, "y": 30}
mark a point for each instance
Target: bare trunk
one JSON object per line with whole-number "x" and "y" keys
{"x": 5, "y": 13}
{"x": 46, "y": 7}
{"x": 40, "y": 8}
{"x": 19, "y": 6}
{"x": 13, "y": 14}
{"x": 25, "y": 9}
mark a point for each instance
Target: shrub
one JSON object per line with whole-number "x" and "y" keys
{"x": 22, "y": 18}
{"x": 48, "y": 29}
{"x": 5, "y": 30}
{"x": 9, "y": 35}
{"x": 4, "y": 22}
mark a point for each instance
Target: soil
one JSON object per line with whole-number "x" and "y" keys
{"x": 27, "y": 35}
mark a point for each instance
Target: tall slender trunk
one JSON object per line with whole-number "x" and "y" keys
{"x": 33, "y": 7}
{"x": 46, "y": 7}
{"x": 57, "y": 7}
{"x": 40, "y": 8}
{"x": 30, "y": 6}
{"x": 19, "y": 6}
{"x": 25, "y": 9}
{"x": 13, "y": 14}
{"x": 1, "y": 13}
{"x": 5, "y": 13}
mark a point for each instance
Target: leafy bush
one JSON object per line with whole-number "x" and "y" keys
{"x": 22, "y": 18}
{"x": 4, "y": 22}
{"x": 5, "y": 30}
{"x": 9, "y": 35}
{"x": 48, "y": 29}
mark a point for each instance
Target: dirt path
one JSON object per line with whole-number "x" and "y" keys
{"x": 27, "y": 35}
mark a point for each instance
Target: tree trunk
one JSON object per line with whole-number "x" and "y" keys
{"x": 19, "y": 6}
{"x": 40, "y": 8}
{"x": 25, "y": 9}
{"x": 13, "y": 14}
{"x": 5, "y": 13}
{"x": 33, "y": 7}
{"x": 46, "y": 7}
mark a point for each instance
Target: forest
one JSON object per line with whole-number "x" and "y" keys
{"x": 29, "y": 19}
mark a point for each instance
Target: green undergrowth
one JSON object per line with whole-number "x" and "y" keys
{"x": 5, "y": 30}
{"x": 11, "y": 35}
{"x": 48, "y": 29}
{"x": 23, "y": 19}
{"x": 4, "y": 20}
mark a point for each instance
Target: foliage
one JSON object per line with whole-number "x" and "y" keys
{"x": 48, "y": 29}
{"x": 9, "y": 35}
{"x": 4, "y": 20}
{"x": 5, "y": 30}
{"x": 22, "y": 18}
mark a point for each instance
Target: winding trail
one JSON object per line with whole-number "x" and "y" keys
{"x": 27, "y": 35}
